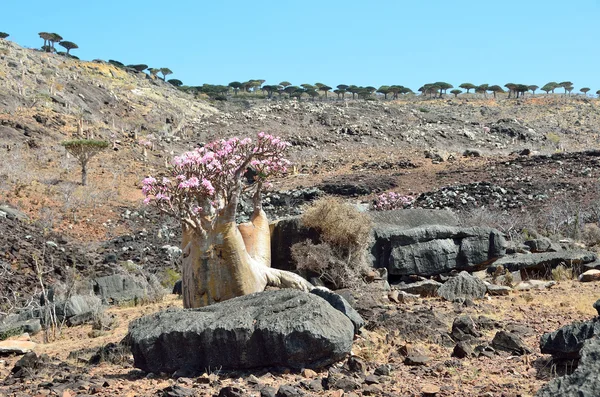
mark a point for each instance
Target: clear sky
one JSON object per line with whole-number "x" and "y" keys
{"x": 330, "y": 41}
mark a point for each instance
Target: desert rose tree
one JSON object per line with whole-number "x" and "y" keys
{"x": 223, "y": 260}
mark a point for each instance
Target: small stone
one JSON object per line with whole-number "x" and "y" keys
{"x": 289, "y": 391}
{"x": 232, "y": 391}
{"x": 590, "y": 275}
{"x": 372, "y": 380}
{"x": 498, "y": 290}
{"x": 416, "y": 359}
{"x": 383, "y": 370}
{"x": 462, "y": 350}
{"x": 372, "y": 390}
{"x": 356, "y": 364}
{"x": 268, "y": 391}
{"x": 309, "y": 373}
{"x": 430, "y": 390}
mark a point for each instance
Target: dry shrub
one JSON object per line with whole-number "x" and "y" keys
{"x": 341, "y": 225}
{"x": 562, "y": 273}
{"x": 340, "y": 258}
{"x": 322, "y": 260}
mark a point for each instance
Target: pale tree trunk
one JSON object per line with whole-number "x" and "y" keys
{"x": 231, "y": 261}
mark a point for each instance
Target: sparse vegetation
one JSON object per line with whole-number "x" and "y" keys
{"x": 84, "y": 150}
{"x": 340, "y": 258}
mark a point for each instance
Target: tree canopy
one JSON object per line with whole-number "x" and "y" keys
{"x": 83, "y": 150}
{"x": 69, "y": 45}
{"x": 3, "y": 35}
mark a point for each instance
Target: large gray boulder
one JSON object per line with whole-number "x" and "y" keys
{"x": 545, "y": 260}
{"x": 435, "y": 249}
{"x": 566, "y": 342}
{"x": 584, "y": 381}
{"x": 122, "y": 289}
{"x": 285, "y": 233}
{"x": 339, "y": 303}
{"x": 463, "y": 286}
{"x": 284, "y": 328}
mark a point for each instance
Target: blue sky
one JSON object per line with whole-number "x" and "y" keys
{"x": 334, "y": 42}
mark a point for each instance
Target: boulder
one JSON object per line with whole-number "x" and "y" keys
{"x": 283, "y": 328}
{"x": 435, "y": 249}
{"x": 566, "y": 342}
{"x": 534, "y": 284}
{"x": 510, "y": 342}
{"x": 584, "y": 381}
{"x": 545, "y": 261}
{"x": 464, "y": 328}
{"x": 590, "y": 275}
{"x": 121, "y": 289}
{"x": 32, "y": 327}
{"x": 424, "y": 288}
{"x": 498, "y": 290}
{"x": 16, "y": 347}
{"x": 178, "y": 288}
{"x": 542, "y": 244}
{"x": 78, "y": 305}
{"x": 597, "y": 306}
{"x": 339, "y": 303}
{"x": 285, "y": 233}
{"x": 463, "y": 286}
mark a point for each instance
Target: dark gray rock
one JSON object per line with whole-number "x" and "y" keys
{"x": 284, "y": 328}
{"x": 78, "y": 305}
{"x": 289, "y": 391}
{"x": 178, "y": 288}
{"x": 584, "y": 381}
{"x": 416, "y": 359}
{"x": 566, "y": 342}
{"x": 268, "y": 391}
{"x": 597, "y": 306}
{"x": 425, "y": 288}
{"x": 232, "y": 391}
{"x": 32, "y": 327}
{"x": 541, "y": 244}
{"x": 339, "y": 303}
{"x": 464, "y": 328}
{"x": 545, "y": 260}
{"x": 509, "y": 342}
{"x": 463, "y": 286}
{"x": 383, "y": 370}
{"x": 285, "y": 233}
{"x": 462, "y": 350}
{"x": 120, "y": 289}
{"x": 432, "y": 250}
{"x": 177, "y": 391}
{"x": 498, "y": 290}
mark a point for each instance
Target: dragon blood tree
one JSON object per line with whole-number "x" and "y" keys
{"x": 222, "y": 260}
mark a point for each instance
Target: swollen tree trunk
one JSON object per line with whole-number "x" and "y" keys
{"x": 231, "y": 261}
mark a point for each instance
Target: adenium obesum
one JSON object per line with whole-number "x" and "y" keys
{"x": 391, "y": 201}
{"x": 202, "y": 184}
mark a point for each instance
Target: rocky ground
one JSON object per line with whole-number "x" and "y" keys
{"x": 526, "y": 167}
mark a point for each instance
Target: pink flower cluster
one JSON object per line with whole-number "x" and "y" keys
{"x": 391, "y": 201}
{"x": 207, "y": 176}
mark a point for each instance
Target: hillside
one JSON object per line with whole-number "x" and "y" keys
{"x": 524, "y": 166}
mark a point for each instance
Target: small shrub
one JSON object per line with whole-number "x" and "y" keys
{"x": 169, "y": 277}
{"x": 340, "y": 258}
{"x": 423, "y": 110}
{"x": 562, "y": 273}
{"x": 527, "y": 297}
{"x": 341, "y": 225}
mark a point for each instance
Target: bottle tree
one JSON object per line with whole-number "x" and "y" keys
{"x": 221, "y": 259}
